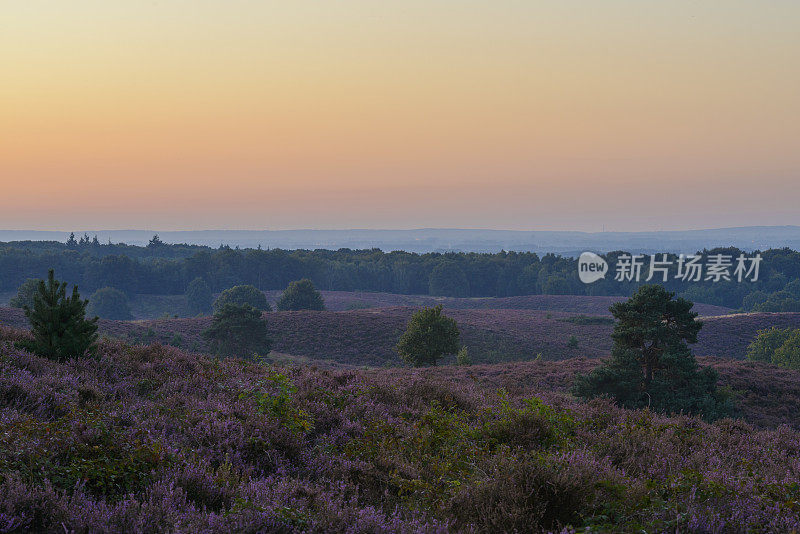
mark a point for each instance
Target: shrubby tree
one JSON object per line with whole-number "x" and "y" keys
{"x": 244, "y": 294}
{"x": 198, "y": 297}
{"x": 109, "y": 303}
{"x": 25, "y": 294}
{"x": 767, "y": 341}
{"x": 238, "y": 330}
{"x": 651, "y": 364}
{"x": 58, "y": 322}
{"x": 301, "y": 295}
{"x": 780, "y": 346}
{"x": 463, "y": 357}
{"x": 788, "y": 354}
{"x": 429, "y": 336}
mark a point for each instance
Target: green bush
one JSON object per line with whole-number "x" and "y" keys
{"x": 788, "y": 354}
{"x": 238, "y": 331}
{"x": 275, "y": 396}
{"x": 82, "y": 447}
{"x": 767, "y": 341}
{"x": 25, "y": 294}
{"x": 240, "y": 295}
{"x": 301, "y": 295}
{"x": 428, "y": 336}
{"x": 463, "y": 357}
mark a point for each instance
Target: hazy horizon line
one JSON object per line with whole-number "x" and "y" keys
{"x": 404, "y": 229}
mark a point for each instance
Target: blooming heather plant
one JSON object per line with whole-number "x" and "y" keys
{"x": 154, "y": 439}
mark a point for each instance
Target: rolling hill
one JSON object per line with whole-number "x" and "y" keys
{"x": 368, "y": 336}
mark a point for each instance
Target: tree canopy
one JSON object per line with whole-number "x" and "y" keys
{"x": 651, "y": 364}
{"x": 301, "y": 295}
{"x": 243, "y": 294}
{"x": 780, "y": 346}
{"x": 109, "y": 303}
{"x": 25, "y": 294}
{"x": 428, "y": 336}
{"x": 238, "y": 330}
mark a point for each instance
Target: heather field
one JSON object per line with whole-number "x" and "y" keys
{"x": 588, "y": 305}
{"x": 156, "y": 306}
{"x": 368, "y": 336}
{"x": 154, "y": 439}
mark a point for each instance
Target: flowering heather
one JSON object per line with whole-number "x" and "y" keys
{"x": 154, "y": 439}
{"x": 588, "y": 305}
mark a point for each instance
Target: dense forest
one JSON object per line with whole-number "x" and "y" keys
{"x": 164, "y": 269}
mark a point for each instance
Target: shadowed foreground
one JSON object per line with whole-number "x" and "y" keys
{"x": 152, "y": 439}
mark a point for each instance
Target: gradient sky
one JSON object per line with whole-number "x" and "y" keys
{"x": 195, "y": 114}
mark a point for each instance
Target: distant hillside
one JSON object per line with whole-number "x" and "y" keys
{"x": 589, "y": 305}
{"x": 451, "y": 239}
{"x": 367, "y": 337}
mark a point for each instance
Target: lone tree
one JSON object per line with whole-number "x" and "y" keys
{"x": 109, "y": 303}
{"x": 58, "y": 323}
{"x": 154, "y": 242}
{"x": 651, "y": 364}
{"x": 429, "y": 336}
{"x": 244, "y": 294}
{"x": 25, "y": 294}
{"x": 238, "y": 331}
{"x": 301, "y": 295}
{"x": 198, "y": 296}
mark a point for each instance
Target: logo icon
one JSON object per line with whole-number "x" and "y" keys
{"x": 591, "y": 267}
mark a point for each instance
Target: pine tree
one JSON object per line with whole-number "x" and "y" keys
{"x": 155, "y": 242}
{"x": 58, "y": 323}
{"x": 72, "y": 242}
{"x": 651, "y": 364}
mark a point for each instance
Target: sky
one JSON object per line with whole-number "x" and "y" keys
{"x": 581, "y": 115}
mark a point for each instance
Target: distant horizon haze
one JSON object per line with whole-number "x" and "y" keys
{"x": 450, "y": 239}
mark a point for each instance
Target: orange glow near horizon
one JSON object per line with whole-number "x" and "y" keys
{"x": 239, "y": 114}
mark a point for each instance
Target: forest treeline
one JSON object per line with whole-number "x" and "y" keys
{"x": 165, "y": 269}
